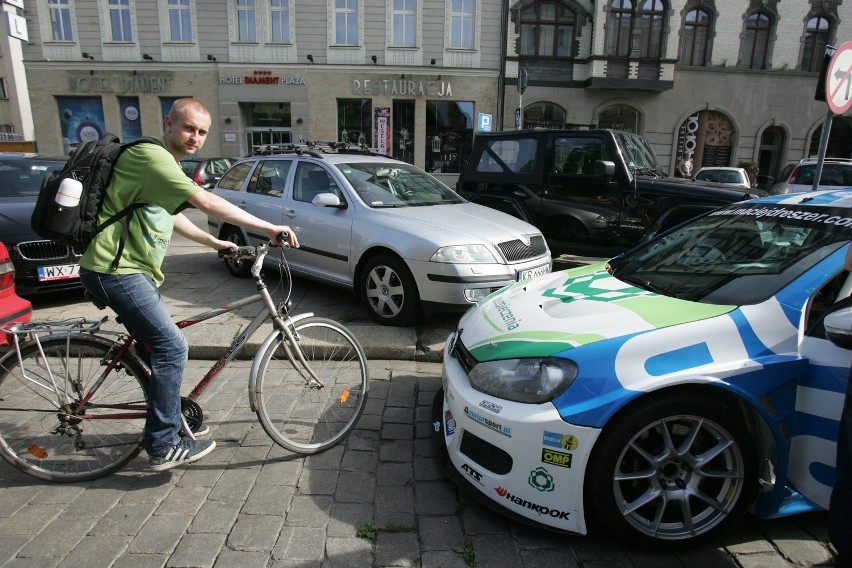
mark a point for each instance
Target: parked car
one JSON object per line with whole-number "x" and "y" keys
{"x": 401, "y": 240}
{"x": 206, "y": 171}
{"x": 836, "y": 174}
{"x": 666, "y": 391}
{"x": 737, "y": 177}
{"x": 13, "y": 308}
{"x": 40, "y": 265}
{"x": 596, "y": 192}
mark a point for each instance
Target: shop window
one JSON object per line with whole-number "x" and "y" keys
{"x": 279, "y": 21}
{"x": 619, "y": 117}
{"x": 81, "y": 119}
{"x": 354, "y": 121}
{"x": 544, "y": 115}
{"x": 60, "y": 20}
{"x": 449, "y": 135}
{"x": 346, "y": 22}
{"x": 772, "y": 143}
{"x": 403, "y": 131}
{"x": 705, "y": 139}
{"x": 131, "y": 119}
{"x": 180, "y": 20}
{"x": 695, "y": 48}
{"x": 462, "y": 18}
{"x": 246, "y": 21}
{"x": 817, "y": 35}
{"x": 547, "y": 30}
{"x": 755, "y": 46}
{"x": 120, "y": 22}
{"x": 636, "y": 28}
{"x": 404, "y": 23}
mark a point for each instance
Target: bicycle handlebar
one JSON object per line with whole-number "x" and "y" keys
{"x": 249, "y": 252}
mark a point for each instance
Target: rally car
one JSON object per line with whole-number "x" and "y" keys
{"x": 666, "y": 392}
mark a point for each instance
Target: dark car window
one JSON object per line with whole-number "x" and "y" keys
{"x": 23, "y": 178}
{"x": 508, "y": 155}
{"x": 218, "y": 166}
{"x": 235, "y": 177}
{"x": 270, "y": 178}
{"x": 311, "y": 180}
{"x": 577, "y": 155}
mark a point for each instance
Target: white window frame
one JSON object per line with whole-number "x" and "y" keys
{"x": 178, "y": 10}
{"x": 238, "y": 10}
{"x": 108, "y": 7}
{"x": 55, "y": 5}
{"x": 290, "y": 28}
{"x": 347, "y": 11}
{"x": 4, "y": 90}
{"x": 405, "y": 15}
{"x": 458, "y": 16}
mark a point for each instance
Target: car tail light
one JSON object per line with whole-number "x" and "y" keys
{"x": 197, "y": 178}
{"x": 7, "y": 269}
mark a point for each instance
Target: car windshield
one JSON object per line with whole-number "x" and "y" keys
{"x": 719, "y": 176}
{"x": 396, "y": 185}
{"x": 23, "y": 177}
{"x": 832, "y": 174}
{"x": 742, "y": 254}
{"x": 638, "y": 154}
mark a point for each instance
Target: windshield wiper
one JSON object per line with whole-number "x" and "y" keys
{"x": 646, "y": 285}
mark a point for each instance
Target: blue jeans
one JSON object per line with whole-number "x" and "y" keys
{"x": 136, "y": 300}
{"x": 840, "y": 507}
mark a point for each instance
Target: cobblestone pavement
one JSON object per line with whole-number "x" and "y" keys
{"x": 253, "y": 504}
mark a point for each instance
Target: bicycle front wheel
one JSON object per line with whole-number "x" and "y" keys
{"x": 299, "y": 414}
{"x": 47, "y": 427}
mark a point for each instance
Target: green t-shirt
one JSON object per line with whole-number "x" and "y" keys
{"x": 145, "y": 173}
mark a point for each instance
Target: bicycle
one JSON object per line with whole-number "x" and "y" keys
{"x": 73, "y": 395}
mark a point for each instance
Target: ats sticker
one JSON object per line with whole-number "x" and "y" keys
{"x": 449, "y": 423}
{"x": 540, "y": 509}
{"x": 475, "y": 475}
{"x": 496, "y": 426}
{"x": 552, "y": 457}
{"x": 557, "y": 440}
{"x": 488, "y": 405}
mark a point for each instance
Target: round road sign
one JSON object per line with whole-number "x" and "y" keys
{"x": 838, "y": 80}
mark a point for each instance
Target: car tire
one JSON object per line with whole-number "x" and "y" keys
{"x": 238, "y": 268}
{"x": 646, "y": 474}
{"x": 389, "y": 292}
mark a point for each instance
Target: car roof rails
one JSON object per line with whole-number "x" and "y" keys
{"x": 327, "y": 147}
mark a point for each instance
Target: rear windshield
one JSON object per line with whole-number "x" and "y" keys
{"x": 832, "y": 174}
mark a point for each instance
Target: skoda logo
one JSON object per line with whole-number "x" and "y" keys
{"x": 525, "y": 239}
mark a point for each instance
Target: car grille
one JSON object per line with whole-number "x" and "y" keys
{"x": 516, "y": 250}
{"x": 47, "y": 250}
{"x": 463, "y": 356}
{"x": 485, "y": 454}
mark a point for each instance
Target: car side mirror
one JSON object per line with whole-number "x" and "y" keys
{"x": 326, "y": 200}
{"x": 838, "y": 327}
{"x": 604, "y": 168}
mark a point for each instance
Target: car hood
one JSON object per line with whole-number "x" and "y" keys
{"x": 468, "y": 221}
{"x": 569, "y": 309}
{"x": 15, "y": 214}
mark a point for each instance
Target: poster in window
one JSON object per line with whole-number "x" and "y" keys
{"x": 131, "y": 123}
{"x": 383, "y": 133}
{"x": 81, "y": 119}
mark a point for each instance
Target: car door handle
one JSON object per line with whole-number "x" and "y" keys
{"x": 241, "y": 204}
{"x": 289, "y": 213}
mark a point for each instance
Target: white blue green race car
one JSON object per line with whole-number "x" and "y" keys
{"x": 666, "y": 392}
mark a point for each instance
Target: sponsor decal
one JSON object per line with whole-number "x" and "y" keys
{"x": 480, "y": 419}
{"x": 553, "y": 457}
{"x": 540, "y": 509}
{"x": 505, "y": 312}
{"x": 541, "y": 479}
{"x": 557, "y": 440}
{"x": 436, "y": 426}
{"x": 472, "y": 473}
{"x": 488, "y": 405}
{"x": 449, "y": 423}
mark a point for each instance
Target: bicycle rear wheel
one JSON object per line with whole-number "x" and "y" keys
{"x": 43, "y": 430}
{"x": 307, "y": 418}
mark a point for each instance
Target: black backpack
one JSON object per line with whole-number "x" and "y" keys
{"x": 77, "y": 224}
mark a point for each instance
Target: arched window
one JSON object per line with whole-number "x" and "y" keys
{"x": 817, "y": 34}
{"x": 756, "y": 41}
{"x": 620, "y": 27}
{"x": 544, "y": 115}
{"x": 547, "y": 30}
{"x": 636, "y": 29}
{"x": 695, "y": 49}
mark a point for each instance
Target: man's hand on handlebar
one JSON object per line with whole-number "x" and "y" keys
{"x": 285, "y": 236}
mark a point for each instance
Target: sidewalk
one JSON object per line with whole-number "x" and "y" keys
{"x": 251, "y": 503}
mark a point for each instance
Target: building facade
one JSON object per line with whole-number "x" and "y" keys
{"x": 708, "y": 82}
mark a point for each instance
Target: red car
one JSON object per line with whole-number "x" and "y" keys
{"x": 13, "y": 308}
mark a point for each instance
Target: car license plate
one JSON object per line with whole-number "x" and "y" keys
{"x": 58, "y": 272}
{"x": 533, "y": 272}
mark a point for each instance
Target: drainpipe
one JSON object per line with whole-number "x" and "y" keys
{"x": 501, "y": 79}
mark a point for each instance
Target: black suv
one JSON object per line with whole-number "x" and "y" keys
{"x": 596, "y": 192}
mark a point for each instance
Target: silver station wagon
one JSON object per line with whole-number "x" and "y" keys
{"x": 404, "y": 242}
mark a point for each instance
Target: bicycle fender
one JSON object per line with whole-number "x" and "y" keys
{"x": 261, "y": 351}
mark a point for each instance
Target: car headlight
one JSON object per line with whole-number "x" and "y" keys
{"x": 464, "y": 254}
{"x": 524, "y": 380}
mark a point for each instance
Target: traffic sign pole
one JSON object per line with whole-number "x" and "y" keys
{"x": 838, "y": 96}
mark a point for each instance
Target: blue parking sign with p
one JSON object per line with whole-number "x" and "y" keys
{"x": 483, "y": 122}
